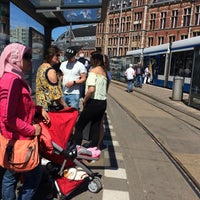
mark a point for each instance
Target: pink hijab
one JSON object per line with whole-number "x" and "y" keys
{"x": 10, "y": 59}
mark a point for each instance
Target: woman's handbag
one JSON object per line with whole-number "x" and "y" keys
{"x": 19, "y": 155}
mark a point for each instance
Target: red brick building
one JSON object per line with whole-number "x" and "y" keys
{"x": 135, "y": 24}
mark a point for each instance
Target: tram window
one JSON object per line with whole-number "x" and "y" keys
{"x": 156, "y": 64}
{"x": 195, "y": 85}
{"x": 161, "y": 64}
{"x": 181, "y": 64}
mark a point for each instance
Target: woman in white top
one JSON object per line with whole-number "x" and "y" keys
{"x": 146, "y": 75}
{"x": 94, "y": 101}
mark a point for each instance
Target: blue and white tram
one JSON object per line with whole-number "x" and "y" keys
{"x": 169, "y": 60}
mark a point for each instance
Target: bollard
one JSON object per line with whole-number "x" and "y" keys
{"x": 177, "y": 90}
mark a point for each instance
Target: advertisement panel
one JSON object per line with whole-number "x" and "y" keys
{"x": 36, "y": 42}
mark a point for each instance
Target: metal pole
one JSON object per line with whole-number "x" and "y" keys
{"x": 70, "y": 35}
{"x": 167, "y": 64}
{"x": 119, "y": 29}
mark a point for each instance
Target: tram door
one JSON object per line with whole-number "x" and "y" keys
{"x": 194, "y": 97}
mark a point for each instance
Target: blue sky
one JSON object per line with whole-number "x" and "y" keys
{"x": 58, "y": 31}
{"x": 17, "y": 21}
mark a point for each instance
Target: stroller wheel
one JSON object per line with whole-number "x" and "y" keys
{"x": 95, "y": 185}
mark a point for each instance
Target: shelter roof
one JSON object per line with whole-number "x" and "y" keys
{"x": 55, "y": 13}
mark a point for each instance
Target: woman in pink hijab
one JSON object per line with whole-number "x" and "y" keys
{"x": 17, "y": 111}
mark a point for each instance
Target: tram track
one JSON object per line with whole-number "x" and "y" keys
{"x": 165, "y": 107}
{"x": 194, "y": 184}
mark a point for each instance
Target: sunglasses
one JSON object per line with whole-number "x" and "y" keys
{"x": 27, "y": 56}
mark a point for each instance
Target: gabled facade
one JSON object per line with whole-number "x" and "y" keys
{"x": 136, "y": 24}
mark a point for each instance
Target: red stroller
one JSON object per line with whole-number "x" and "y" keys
{"x": 66, "y": 163}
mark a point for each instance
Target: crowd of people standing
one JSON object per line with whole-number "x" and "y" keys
{"x": 58, "y": 85}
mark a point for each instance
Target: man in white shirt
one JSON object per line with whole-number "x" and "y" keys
{"x": 74, "y": 74}
{"x": 130, "y": 75}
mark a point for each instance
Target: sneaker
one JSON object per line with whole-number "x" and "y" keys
{"x": 95, "y": 152}
{"x": 83, "y": 150}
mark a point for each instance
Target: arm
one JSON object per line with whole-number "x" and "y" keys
{"x": 39, "y": 111}
{"x": 53, "y": 78}
{"x": 90, "y": 92}
{"x": 81, "y": 80}
{"x": 17, "y": 113}
{"x": 63, "y": 103}
{"x": 91, "y": 82}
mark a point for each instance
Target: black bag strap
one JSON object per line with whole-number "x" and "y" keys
{"x": 10, "y": 150}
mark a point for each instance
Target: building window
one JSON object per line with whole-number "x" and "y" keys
{"x": 183, "y": 37}
{"x": 172, "y": 38}
{"x": 139, "y": 2}
{"x": 174, "y": 18}
{"x": 138, "y": 16}
{"x": 128, "y": 23}
{"x": 138, "y": 41}
{"x": 150, "y": 41}
{"x": 186, "y": 17}
{"x": 111, "y": 30}
{"x": 123, "y": 23}
{"x": 160, "y": 40}
{"x": 153, "y": 21}
{"x": 126, "y": 40}
{"x": 138, "y": 21}
{"x": 163, "y": 20}
{"x": 197, "y": 15}
{"x": 196, "y": 33}
{"x": 128, "y": 26}
{"x": 137, "y": 27}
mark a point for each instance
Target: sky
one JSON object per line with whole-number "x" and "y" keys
{"x": 16, "y": 21}
{"x": 60, "y": 30}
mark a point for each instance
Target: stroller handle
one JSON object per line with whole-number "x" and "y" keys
{"x": 57, "y": 147}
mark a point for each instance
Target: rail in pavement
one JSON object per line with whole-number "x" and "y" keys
{"x": 164, "y": 95}
{"x": 189, "y": 161}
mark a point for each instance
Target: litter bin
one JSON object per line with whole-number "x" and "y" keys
{"x": 177, "y": 90}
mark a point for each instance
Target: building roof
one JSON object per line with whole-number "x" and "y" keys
{"x": 85, "y": 31}
{"x": 82, "y": 37}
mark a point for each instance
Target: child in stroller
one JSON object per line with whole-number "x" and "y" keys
{"x": 66, "y": 166}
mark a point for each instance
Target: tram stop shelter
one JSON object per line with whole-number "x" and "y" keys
{"x": 56, "y": 13}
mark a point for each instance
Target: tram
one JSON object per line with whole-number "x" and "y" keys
{"x": 164, "y": 61}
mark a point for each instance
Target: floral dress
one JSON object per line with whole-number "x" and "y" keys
{"x": 46, "y": 92}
